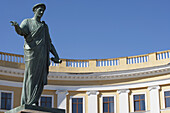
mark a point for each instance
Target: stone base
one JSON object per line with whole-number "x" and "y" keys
{"x": 34, "y": 109}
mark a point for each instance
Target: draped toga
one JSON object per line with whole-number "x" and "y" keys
{"x": 37, "y": 46}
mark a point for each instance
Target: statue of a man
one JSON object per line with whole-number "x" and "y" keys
{"x": 37, "y": 47}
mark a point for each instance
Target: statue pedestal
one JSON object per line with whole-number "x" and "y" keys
{"x": 34, "y": 109}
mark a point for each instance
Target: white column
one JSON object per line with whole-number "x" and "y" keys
{"x": 154, "y": 99}
{"x": 61, "y": 99}
{"x": 123, "y": 100}
{"x": 92, "y": 101}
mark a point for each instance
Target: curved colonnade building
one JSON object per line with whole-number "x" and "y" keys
{"x": 134, "y": 84}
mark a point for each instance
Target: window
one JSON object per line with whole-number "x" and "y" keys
{"x": 6, "y": 100}
{"x": 167, "y": 98}
{"x": 46, "y": 101}
{"x": 108, "y": 104}
{"x": 77, "y": 105}
{"x": 139, "y": 102}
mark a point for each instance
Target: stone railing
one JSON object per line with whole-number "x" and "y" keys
{"x": 137, "y": 59}
{"x": 107, "y": 62}
{"x": 11, "y": 57}
{"x": 94, "y": 65}
{"x": 163, "y": 55}
{"x": 77, "y": 63}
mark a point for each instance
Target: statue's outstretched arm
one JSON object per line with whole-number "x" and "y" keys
{"x": 17, "y": 28}
{"x": 56, "y": 58}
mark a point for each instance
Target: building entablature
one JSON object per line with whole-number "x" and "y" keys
{"x": 127, "y": 74}
{"x": 135, "y": 73}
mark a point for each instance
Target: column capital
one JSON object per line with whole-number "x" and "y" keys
{"x": 123, "y": 91}
{"x": 153, "y": 87}
{"x": 93, "y": 92}
{"x": 62, "y": 92}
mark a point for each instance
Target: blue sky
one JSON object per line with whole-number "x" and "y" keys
{"x": 93, "y": 29}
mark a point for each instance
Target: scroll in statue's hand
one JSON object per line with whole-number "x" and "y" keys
{"x": 55, "y": 60}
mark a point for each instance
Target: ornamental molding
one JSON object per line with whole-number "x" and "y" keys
{"x": 145, "y": 72}
{"x": 123, "y": 91}
{"x": 11, "y": 72}
{"x": 150, "y": 88}
{"x": 92, "y": 92}
{"x": 64, "y": 92}
{"x": 135, "y": 73}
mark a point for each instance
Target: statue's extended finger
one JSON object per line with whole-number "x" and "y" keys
{"x": 12, "y": 23}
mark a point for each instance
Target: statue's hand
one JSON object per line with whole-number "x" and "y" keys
{"x": 55, "y": 60}
{"x": 13, "y": 23}
{"x": 60, "y": 61}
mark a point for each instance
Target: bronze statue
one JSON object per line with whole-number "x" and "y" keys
{"x": 37, "y": 47}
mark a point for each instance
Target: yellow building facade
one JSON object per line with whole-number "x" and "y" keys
{"x": 133, "y": 84}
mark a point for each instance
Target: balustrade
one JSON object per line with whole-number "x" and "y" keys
{"x": 137, "y": 59}
{"x": 77, "y": 63}
{"x": 93, "y": 64}
{"x": 11, "y": 57}
{"x": 162, "y": 55}
{"x": 53, "y": 64}
{"x": 107, "y": 62}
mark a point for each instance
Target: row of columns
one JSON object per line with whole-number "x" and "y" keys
{"x": 123, "y": 100}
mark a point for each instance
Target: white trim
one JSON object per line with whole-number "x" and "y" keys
{"x": 101, "y": 104}
{"x": 163, "y": 96}
{"x": 83, "y": 97}
{"x": 166, "y": 109}
{"x": 141, "y": 112}
{"x": 65, "y": 92}
{"x": 10, "y": 83}
{"x": 52, "y": 97}
{"x": 153, "y": 87}
{"x": 12, "y": 98}
{"x": 140, "y": 93}
{"x": 109, "y": 87}
{"x": 92, "y": 92}
{"x": 123, "y": 91}
{"x": 95, "y": 87}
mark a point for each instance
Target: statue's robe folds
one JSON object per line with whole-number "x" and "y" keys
{"x": 36, "y": 53}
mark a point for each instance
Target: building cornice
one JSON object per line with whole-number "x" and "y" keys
{"x": 135, "y": 73}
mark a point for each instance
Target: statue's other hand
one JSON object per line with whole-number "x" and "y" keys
{"x": 55, "y": 60}
{"x": 13, "y": 23}
{"x": 60, "y": 61}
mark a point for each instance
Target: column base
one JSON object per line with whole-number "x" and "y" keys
{"x": 34, "y": 109}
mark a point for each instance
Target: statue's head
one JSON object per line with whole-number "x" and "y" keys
{"x": 39, "y": 9}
